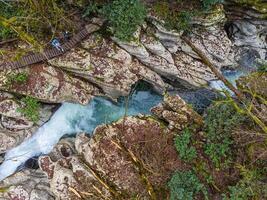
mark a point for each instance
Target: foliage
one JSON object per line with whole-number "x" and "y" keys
{"x": 262, "y": 68}
{"x": 207, "y": 4}
{"x": 181, "y": 22}
{"x": 7, "y": 11}
{"x": 173, "y": 19}
{"x": 44, "y": 17}
{"x": 90, "y": 9}
{"x": 249, "y": 187}
{"x": 184, "y": 185}
{"x": 35, "y": 18}
{"x": 182, "y": 144}
{"x": 30, "y": 109}
{"x": 219, "y": 122}
{"x": 202, "y": 169}
{"x": 124, "y": 17}
{"x": 19, "y": 78}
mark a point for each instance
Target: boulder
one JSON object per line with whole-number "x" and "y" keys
{"x": 121, "y": 160}
{"x": 176, "y": 113}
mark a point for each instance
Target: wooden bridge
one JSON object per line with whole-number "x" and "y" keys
{"x": 52, "y": 52}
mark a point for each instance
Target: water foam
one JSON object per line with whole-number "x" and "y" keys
{"x": 74, "y": 118}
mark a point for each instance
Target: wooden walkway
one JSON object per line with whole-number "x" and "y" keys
{"x": 52, "y": 52}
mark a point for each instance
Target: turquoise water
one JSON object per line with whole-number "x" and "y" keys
{"x": 74, "y": 118}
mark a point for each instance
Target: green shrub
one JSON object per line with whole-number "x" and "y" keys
{"x": 184, "y": 185}
{"x": 181, "y": 21}
{"x": 30, "y": 108}
{"x": 38, "y": 19}
{"x": 182, "y": 144}
{"x": 7, "y": 11}
{"x": 173, "y": 19}
{"x": 207, "y": 4}
{"x": 249, "y": 187}
{"x": 238, "y": 192}
{"x": 219, "y": 122}
{"x": 262, "y": 68}
{"x": 5, "y": 33}
{"x": 124, "y": 17}
{"x": 91, "y": 9}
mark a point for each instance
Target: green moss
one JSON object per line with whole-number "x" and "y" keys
{"x": 259, "y": 5}
{"x": 18, "y": 78}
{"x": 90, "y": 67}
{"x": 101, "y": 79}
{"x": 152, "y": 118}
{"x": 30, "y": 108}
{"x": 262, "y": 68}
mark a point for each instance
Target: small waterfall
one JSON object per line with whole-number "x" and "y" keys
{"x": 74, "y": 118}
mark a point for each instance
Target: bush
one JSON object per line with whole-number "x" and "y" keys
{"x": 7, "y": 11}
{"x": 124, "y": 17}
{"x": 249, "y": 187}
{"x": 184, "y": 185}
{"x": 181, "y": 21}
{"x": 173, "y": 19}
{"x": 91, "y": 9}
{"x": 39, "y": 19}
{"x": 262, "y": 68}
{"x": 30, "y": 108}
{"x": 207, "y": 4}
{"x": 182, "y": 144}
{"x": 219, "y": 122}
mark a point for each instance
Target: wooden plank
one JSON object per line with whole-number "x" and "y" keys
{"x": 49, "y": 53}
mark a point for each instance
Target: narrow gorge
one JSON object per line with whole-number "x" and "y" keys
{"x": 131, "y": 100}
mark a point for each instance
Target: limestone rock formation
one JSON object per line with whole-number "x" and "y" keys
{"x": 156, "y": 55}
{"x": 247, "y": 25}
{"x": 118, "y": 161}
{"x": 111, "y": 68}
{"x": 50, "y": 85}
{"x": 26, "y": 185}
{"x": 164, "y": 52}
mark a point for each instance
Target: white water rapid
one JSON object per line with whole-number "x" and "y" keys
{"x": 74, "y": 118}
